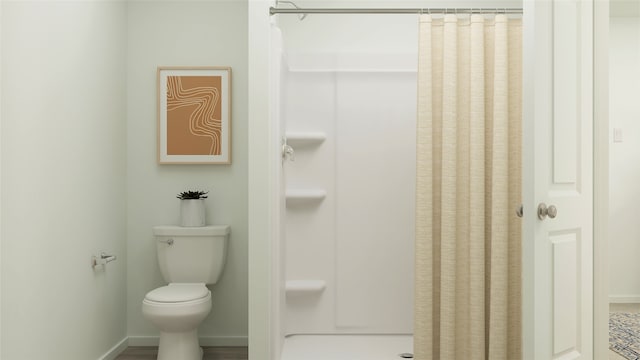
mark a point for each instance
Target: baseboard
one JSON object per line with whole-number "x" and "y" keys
{"x": 624, "y": 299}
{"x": 115, "y": 350}
{"x": 204, "y": 340}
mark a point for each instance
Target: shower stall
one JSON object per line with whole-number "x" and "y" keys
{"x": 347, "y": 117}
{"x": 344, "y": 104}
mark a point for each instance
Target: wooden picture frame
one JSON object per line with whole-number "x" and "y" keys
{"x": 194, "y": 115}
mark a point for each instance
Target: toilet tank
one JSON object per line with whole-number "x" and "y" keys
{"x": 191, "y": 254}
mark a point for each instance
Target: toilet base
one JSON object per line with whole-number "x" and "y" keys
{"x": 180, "y": 345}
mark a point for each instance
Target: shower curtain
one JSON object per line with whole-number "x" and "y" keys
{"x": 468, "y": 272}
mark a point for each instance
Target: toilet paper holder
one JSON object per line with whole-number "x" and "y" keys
{"x": 104, "y": 259}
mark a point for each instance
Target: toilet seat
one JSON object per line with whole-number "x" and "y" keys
{"x": 178, "y": 293}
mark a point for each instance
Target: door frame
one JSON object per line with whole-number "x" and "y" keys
{"x": 262, "y": 224}
{"x": 601, "y": 179}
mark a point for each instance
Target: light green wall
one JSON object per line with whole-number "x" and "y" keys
{"x": 63, "y": 178}
{"x": 185, "y": 33}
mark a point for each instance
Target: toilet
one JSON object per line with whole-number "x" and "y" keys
{"x": 189, "y": 259}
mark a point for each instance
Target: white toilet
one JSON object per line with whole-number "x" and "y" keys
{"x": 189, "y": 258}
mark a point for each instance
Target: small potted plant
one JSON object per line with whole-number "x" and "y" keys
{"x": 192, "y": 210}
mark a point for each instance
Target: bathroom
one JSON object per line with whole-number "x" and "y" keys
{"x": 91, "y": 67}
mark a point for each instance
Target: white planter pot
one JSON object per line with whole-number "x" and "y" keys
{"x": 192, "y": 213}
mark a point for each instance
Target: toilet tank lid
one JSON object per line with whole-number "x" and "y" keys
{"x": 174, "y": 230}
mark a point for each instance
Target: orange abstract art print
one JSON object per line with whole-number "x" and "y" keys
{"x": 194, "y": 115}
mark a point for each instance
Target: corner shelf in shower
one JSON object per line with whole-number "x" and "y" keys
{"x": 305, "y": 138}
{"x": 305, "y": 195}
{"x": 305, "y": 286}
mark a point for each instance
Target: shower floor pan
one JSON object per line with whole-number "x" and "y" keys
{"x": 346, "y": 347}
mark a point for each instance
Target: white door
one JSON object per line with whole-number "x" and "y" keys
{"x": 558, "y": 121}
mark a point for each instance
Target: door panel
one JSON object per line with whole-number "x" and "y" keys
{"x": 565, "y": 72}
{"x": 558, "y": 258}
{"x": 566, "y": 275}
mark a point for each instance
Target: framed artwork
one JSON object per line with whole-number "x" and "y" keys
{"x": 194, "y": 115}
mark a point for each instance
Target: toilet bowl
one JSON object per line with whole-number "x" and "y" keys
{"x": 189, "y": 259}
{"x": 177, "y": 310}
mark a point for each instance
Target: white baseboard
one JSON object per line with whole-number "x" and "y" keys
{"x": 624, "y": 299}
{"x": 115, "y": 350}
{"x": 204, "y": 340}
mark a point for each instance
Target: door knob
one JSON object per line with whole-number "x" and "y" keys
{"x": 543, "y": 211}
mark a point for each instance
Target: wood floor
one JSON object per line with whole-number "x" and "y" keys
{"x": 210, "y": 353}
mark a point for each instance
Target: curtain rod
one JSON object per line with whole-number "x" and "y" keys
{"x": 274, "y": 11}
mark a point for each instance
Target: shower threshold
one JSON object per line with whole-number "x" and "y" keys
{"x": 347, "y": 347}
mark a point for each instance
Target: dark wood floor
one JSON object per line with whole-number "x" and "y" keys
{"x": 210, "y": 353}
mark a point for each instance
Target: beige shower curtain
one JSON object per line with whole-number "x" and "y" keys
{"x": 468, "y": 273}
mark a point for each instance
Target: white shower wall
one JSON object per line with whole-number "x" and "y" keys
{"x": 351, "y": 80}
{"x": 354, "y": 233}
